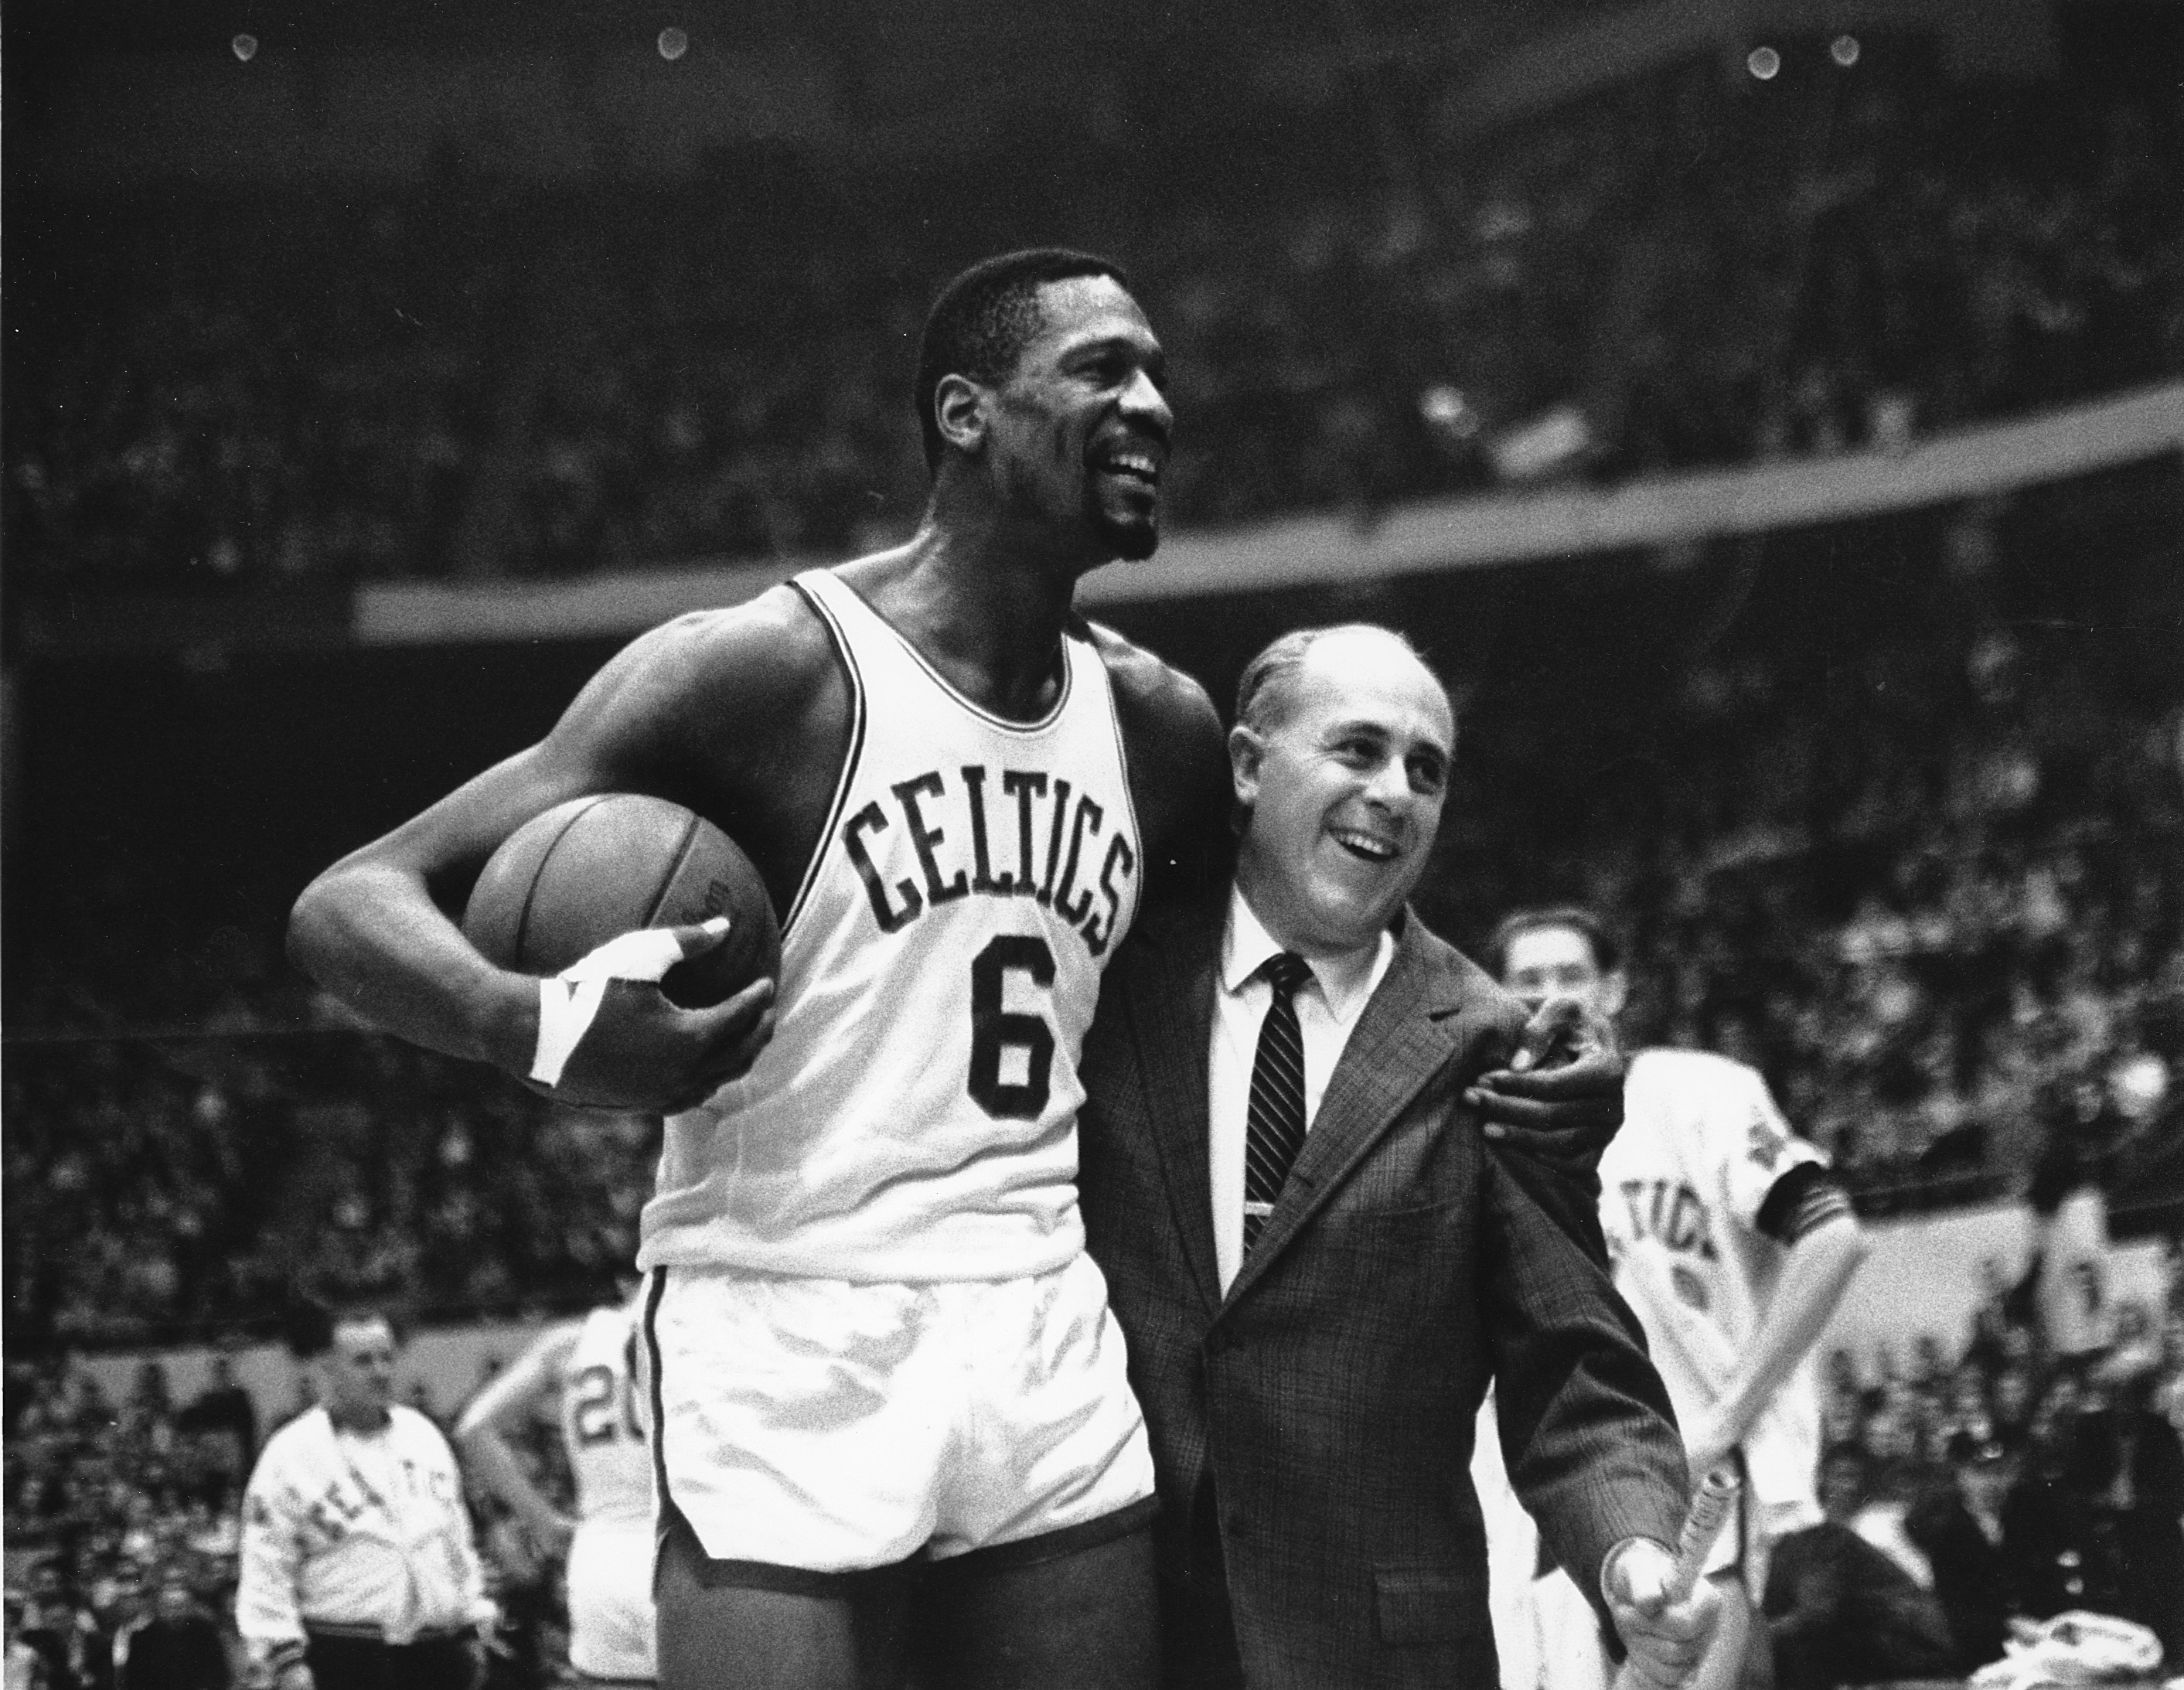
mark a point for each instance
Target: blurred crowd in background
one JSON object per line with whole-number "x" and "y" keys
{"x": 1694, "y": 268}
{"x": 2028, "y": 1467}
{"x": 1929, "y": 879}
{"x": 157, "y": 1189}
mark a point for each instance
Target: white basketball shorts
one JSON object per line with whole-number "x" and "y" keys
{"x": 611, "y": 1618}
{"x": 838, "y": 1427}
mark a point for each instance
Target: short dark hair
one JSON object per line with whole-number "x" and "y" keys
{"x": 309, "y": 1322}
{"x": 1607, "y": 948}
{"x": 979, "y": 325}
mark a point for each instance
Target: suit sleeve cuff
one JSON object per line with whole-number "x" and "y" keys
{"x": 1615, "y": 1553}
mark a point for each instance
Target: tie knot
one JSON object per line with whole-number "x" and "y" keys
{"x": 1286, "y": 970}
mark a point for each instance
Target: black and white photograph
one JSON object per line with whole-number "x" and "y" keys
{"x": 1265, "y": 844}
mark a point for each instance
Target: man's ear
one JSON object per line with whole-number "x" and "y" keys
{"x": 1246, "y": 752}
{"x": 959, "y": 408}
{"x": 1614, "y": 993}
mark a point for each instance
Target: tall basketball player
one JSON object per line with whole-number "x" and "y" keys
{"x": 885, "y": 1383}
{"x": 587, "y": 1367}
{"x": 1732, "y": 1243}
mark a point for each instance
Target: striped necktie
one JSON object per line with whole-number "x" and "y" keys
{"x": 1274, "y": 1127}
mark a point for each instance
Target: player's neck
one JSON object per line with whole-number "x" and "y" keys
{"x": 360, "y": 1422}
{"x": 990, "y": 619}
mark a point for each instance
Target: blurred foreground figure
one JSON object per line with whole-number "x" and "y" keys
{"x": 359, "y": 1572}
{"x": 1839, "y": 1611}
{"x": 1733, "y": 1242}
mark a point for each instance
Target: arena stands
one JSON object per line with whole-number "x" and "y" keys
{"x": 2086, "y": 1451}
{"x": 1693, "y": 268}
{"x": 1907, "y": 839}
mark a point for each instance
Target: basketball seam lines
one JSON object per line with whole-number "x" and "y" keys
{"x": 681, "y": 856}
{"x": 538, "y": 874}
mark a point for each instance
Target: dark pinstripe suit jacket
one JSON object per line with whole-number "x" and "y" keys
{"x": 1331, "y": 1393}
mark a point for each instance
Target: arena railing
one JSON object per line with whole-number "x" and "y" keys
{"x": 1425, "y": 537}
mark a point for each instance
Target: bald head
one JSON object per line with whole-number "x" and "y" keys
{"x": 1268, "y": 688}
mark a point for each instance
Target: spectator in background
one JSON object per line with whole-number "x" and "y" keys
{"x": 176, "y": 1646}
{"x": 1963, "y": 1533}
{"x": 59, "y": 1627}
{"x": 2131, "y": 1466}
{"x": 1839, "y": 1611}
{"x": 23, "y": 1668}
{"x": 225, "y": 1408}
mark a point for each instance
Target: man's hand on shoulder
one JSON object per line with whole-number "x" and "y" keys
{"x": 1560, "y": 1097}
{"x": 1665, "y": 1635}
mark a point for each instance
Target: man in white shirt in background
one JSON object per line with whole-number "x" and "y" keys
{"x": 358, "y": 1570}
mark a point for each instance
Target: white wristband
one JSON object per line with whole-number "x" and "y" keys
{"x": 569, "y": 1001}
{"x": 565, "y": 1009}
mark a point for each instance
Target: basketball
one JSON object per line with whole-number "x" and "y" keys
{"x": 567, "y": 881}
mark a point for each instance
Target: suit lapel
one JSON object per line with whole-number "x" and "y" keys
{"x": 1171, "y": 1020}
{"x": 1420, "y": 1016}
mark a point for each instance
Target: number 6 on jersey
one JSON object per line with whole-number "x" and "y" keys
{"x": 995, "y": 1029}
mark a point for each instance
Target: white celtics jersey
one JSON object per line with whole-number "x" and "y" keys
{"x": 609, "y": 1571}
{"x": 603, "y": 1423}
{"x": 914, "y": 1118}
{"x": 1681, "y": 1186}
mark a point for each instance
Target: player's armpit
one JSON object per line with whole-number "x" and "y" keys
{"x": 1178, "y": 766}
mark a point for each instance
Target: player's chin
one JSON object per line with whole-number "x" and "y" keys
{"x": 1134, "y": 538}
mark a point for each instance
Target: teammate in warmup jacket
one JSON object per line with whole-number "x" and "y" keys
{"x": 359, "y": 1572}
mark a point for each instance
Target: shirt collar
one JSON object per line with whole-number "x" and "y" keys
{"x": 1246, "y": 944}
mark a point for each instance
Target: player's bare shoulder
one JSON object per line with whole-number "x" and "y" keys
{"x": 1172, "y": 736}
{"x": 767, "y": 661}
{"x": 742, "y": 714}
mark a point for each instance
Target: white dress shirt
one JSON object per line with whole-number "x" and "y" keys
{"x": 1327, "y": 1006}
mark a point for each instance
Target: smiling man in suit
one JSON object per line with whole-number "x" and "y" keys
{"x": 1318, "y": 1259}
